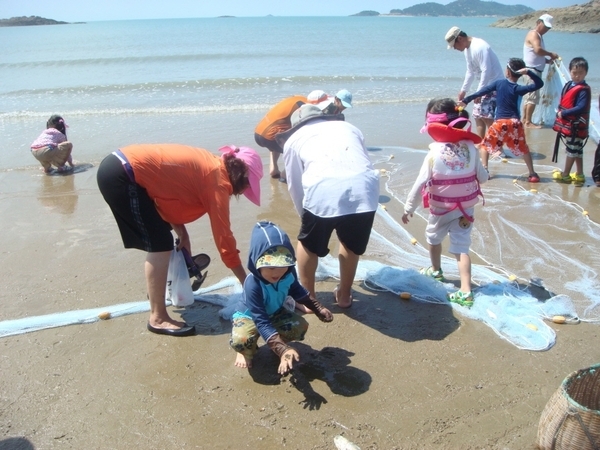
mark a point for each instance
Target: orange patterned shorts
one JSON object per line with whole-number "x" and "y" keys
{"x": 507, "y": 132}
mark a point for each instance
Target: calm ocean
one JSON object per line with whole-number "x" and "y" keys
{"x": 207, "y": 82}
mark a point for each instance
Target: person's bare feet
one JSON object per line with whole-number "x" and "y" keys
{"x": 532, "y": 125}
{"x": 170, "y": 324}
{"x": 242, "y": 362}
{"x": 347, "y": 303}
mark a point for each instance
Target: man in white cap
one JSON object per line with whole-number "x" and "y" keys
{"x": 536, "y": 57}
{"x": 483, "y": 63}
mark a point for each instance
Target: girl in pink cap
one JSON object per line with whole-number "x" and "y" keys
{"x": 153, "y": 189}
{"x": 448, "y": 183}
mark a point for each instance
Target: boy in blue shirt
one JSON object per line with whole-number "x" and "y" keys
{"x": 266, "y": 310}
{"x": 507, "y": 128}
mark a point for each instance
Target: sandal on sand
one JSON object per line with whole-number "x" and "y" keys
{"x": 195, "y": 265}
{"x": 460, "y": 298}
{"x": 185, "y": 330}
{"x": 437, "y": 275}
{"x": 559, "y": 177}
{"x": 202, "y": 261}
{"x": 335, "y": 292}
{"x": 577, "y": 178}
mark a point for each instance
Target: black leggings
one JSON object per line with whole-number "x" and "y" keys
{"x": 139, "y": 222}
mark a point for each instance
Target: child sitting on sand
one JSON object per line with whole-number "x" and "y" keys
{"x": 266, "y": 310}
{"x": 507, "y": 128}
{"x": 449, "y": 182}
{"x": 572, "y": 122}
{"x": 52, "y": 147}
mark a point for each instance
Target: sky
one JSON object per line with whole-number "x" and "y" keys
{"x": 96, "y": 10}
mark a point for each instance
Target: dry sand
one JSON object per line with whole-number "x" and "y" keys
{"x": 387, "y": 373}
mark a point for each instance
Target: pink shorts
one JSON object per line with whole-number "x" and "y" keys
{"x": 507, "y": 132}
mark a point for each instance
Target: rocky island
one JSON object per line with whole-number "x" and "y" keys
{"x": 457, "y": 8}
{"x": 583, "y": 18}
{"x": 29, "y": 21}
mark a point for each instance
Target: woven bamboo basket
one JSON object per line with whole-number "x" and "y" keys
{"x": 571, "y": 418}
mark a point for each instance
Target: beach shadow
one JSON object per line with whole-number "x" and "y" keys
{"x": 385, "y": 312}
{"x": 407, "y": 320}
{"x": 384, "y": 199}
{"x": 374, "y": 149}
{"x": 330, "y": 365}
{"x": 16, "y": 443}
{"x": 205, "y": 317}
{"x": 537, "y": 156}
{"x": 510, "y": 156}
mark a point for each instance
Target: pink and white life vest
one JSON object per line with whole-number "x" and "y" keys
{"x": 454, "y": 178}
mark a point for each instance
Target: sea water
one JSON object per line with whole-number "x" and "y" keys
{"x": 208, "y": 81}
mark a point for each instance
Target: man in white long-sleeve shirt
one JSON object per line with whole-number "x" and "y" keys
{"x": 483, "y": 63}
{"x": 333, "y": 186}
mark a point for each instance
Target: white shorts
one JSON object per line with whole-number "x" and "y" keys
{"x": 455, "y": 226}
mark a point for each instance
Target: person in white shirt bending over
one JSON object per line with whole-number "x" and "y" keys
{"x": 333, "y": 186}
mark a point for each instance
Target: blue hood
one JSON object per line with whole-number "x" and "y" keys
{"x": 266, "y": 235}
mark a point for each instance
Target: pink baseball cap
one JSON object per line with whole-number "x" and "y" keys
{"x": 255, "y": 169}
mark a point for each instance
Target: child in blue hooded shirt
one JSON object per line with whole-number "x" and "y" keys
{"x": 264, "y": 311}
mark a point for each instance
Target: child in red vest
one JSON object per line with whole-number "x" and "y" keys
{"x": 572, "y": 121}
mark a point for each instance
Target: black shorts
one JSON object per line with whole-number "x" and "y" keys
{"x": 272, "y": 146}
{"x": 139, "y": 222}
{"x": 352, "y": 230}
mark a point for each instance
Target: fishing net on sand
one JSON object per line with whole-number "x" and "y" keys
{"x": 556, "y": 275}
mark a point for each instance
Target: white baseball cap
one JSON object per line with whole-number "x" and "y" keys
{"x": 547, "y": 19}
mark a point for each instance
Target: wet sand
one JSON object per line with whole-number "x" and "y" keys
{"x": 386, "y": 373}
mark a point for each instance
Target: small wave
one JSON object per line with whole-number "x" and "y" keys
{"x": 130, "y": 60}
{"x": 180, "y": 110}
{"x": 301, "y": 83}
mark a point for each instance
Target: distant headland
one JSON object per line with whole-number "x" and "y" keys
{"x": 458, "y": 8}
{"x": 584, "y": 18}
{"x": 29, "y": 21}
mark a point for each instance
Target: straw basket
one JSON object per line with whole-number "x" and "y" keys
{"x": 571, "y": 418}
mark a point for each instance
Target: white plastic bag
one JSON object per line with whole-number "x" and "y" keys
{"x": 179, "y": 290}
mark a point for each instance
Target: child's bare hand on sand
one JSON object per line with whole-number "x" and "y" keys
{"x": 324, "y": 315}
{"x": 405, "y": 218}
{"x": 287, "y": 360}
